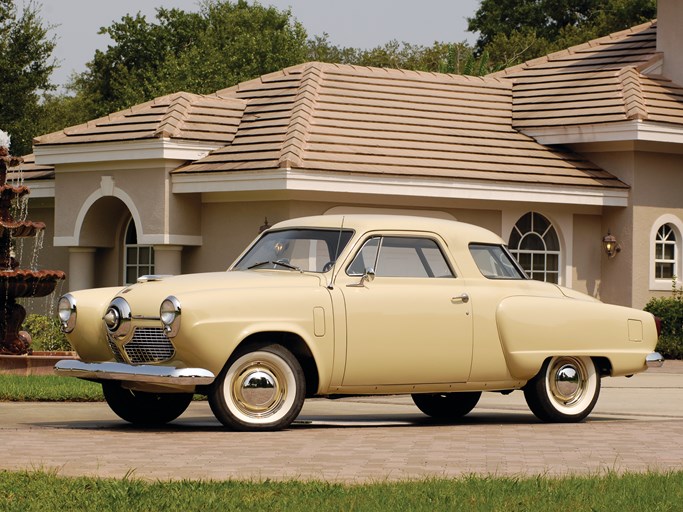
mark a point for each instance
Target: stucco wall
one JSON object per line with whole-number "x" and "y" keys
{"x": 587, "y": 254}
{"x": 656, "y": 183}
{"x": 93, "y": 194}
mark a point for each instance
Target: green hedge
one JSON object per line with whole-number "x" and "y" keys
{"x": 670, "y": 311}
{"x": 45, "y": 333}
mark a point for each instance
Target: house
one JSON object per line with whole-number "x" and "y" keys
{"x": 553, "y": 155}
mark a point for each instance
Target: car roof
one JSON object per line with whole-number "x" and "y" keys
{"x": 448, "y": 229}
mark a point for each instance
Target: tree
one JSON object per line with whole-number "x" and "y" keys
{"x": 440, "y": 57}
{"x": 512, "y": 31}
{"x": 26, "y": 63}
{"x": 221, "y": 45}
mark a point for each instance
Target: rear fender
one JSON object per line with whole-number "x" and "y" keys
{"x": 532, "y": 329}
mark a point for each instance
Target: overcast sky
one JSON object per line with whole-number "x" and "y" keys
{"x": 355, "y": 23}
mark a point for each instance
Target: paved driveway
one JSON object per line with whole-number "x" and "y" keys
{"x": 636, "y": 426}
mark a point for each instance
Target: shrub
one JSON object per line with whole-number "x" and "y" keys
{"x": 670, "y": 311}
{"x": 45, "y": 333}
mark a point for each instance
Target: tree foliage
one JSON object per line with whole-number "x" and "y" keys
{"x": 512, "y": 31}
{"x": 26, "y": 62}
{"x": 441, "y": 57}
{"x": 222, "y": 44}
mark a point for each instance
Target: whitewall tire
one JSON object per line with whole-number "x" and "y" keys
{"x": 262, "y": 388}
{"x": 565, "y": 390}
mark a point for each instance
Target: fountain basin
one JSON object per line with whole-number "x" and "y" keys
{"x": 29, "y": 283}
{"x": 21, "y": 229}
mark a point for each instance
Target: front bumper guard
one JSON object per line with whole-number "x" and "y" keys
{"x": 134, "y": 373}
{"x": 654, "y": 360}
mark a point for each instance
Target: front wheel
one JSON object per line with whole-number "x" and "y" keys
{"x": 446, "y": 406}
{"x": 259, "y": 389}
{"x": 145, "y": 409}
{"x": 565, "y": 390}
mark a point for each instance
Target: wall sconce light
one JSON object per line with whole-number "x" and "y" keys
{"x": 610, "y": 244}
{"x": 264, "y": 226}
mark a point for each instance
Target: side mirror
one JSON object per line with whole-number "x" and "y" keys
{"x": 367, "y": 277}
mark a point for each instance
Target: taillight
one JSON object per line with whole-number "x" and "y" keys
{"x": 658, "y": 323}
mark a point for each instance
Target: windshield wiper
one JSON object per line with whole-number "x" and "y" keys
{"x": 274, "y": 262}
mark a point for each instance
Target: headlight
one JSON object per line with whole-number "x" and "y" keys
{"x": 169, "y": 313}
{"x": 117, "y": 318}
{"x": 66, "y": 309}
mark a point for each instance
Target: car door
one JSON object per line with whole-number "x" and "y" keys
{"x": 408, "y": 316}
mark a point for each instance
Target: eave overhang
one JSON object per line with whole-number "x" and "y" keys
{"x": 145, "y": 149}
{"x": 428, "y": 187}
{"x": 635, "y": 130}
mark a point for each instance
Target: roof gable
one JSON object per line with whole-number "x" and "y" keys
{"x": 603, "y": 81}
{"x": 181, "y": 116}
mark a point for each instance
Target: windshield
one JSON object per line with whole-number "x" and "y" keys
{"x": 306, "y": 250}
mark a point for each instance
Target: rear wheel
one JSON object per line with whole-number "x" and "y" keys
{"x": 565, "y": 390}
{"x": 447, "y": 406}
{"x": 147, "y": 409}
{"x": 262, "y": 388}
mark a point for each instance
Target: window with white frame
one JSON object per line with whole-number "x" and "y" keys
{"x": 666, "y": 253}
{"x": 138, "y": 259}
{"x": 535, "y": 244}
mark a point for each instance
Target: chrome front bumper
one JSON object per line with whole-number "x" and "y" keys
{"x": 654, "y": 360}
{"x": 134, "y": 373}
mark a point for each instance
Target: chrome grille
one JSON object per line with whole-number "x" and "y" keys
{"x": 115, "y": 350}
{"x": 148, "y": 345}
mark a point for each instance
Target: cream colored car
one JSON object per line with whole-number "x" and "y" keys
{"x": 352, "y": 305}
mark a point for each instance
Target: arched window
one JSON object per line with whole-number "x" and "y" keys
{"x": 665, "y": 253}
{"x": 534, "y": 242}
{"x": 138, "y": 259}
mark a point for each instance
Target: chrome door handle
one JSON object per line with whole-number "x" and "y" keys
{"x": 464, "y": 298}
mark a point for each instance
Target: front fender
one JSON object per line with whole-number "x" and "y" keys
{"x": 213, "y": 326}
{"x": 89, "y": 338}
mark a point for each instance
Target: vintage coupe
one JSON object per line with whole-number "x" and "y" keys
{"x": 352, "y": 305}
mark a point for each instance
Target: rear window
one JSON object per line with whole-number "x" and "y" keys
{"x": 495, "y": 262}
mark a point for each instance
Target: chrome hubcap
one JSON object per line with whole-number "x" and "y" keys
{"x": 567, "y": 382}
{"x": 258, "y": 389}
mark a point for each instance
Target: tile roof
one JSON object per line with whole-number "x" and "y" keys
{"x": 181, "y": 115}
{"x": 350, "y": 119}
{"x": 28, "y": 170}
{"x": 602, "y": 81}
{"x": 342, "y": 118}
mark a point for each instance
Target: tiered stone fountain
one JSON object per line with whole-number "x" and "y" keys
{"x": 15, "y": 282}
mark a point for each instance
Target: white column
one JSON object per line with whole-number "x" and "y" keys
{"x": 167, "y": 259}
{"x": 81, "y": 268}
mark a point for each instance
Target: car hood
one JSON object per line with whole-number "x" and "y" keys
{"x": 145, "y": 297}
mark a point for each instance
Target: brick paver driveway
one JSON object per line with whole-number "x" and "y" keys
{"x": 360, "y": 439}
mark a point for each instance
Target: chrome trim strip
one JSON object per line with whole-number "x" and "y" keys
{"x": 654, "y": 360}
{"x": 135, "y": 373}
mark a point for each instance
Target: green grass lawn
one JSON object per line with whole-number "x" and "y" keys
{"x": 48, "y": 388}
{"x": 28, "y": 491}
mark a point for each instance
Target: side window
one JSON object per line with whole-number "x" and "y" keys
{"x": 401, "y": 257}
{"x": 665, "y": 253}
{"x": 535, "y": 244}
{"x": 366, "y": 258}
{"x": 138, "y": 259}
{"x": 666, "y": 261}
